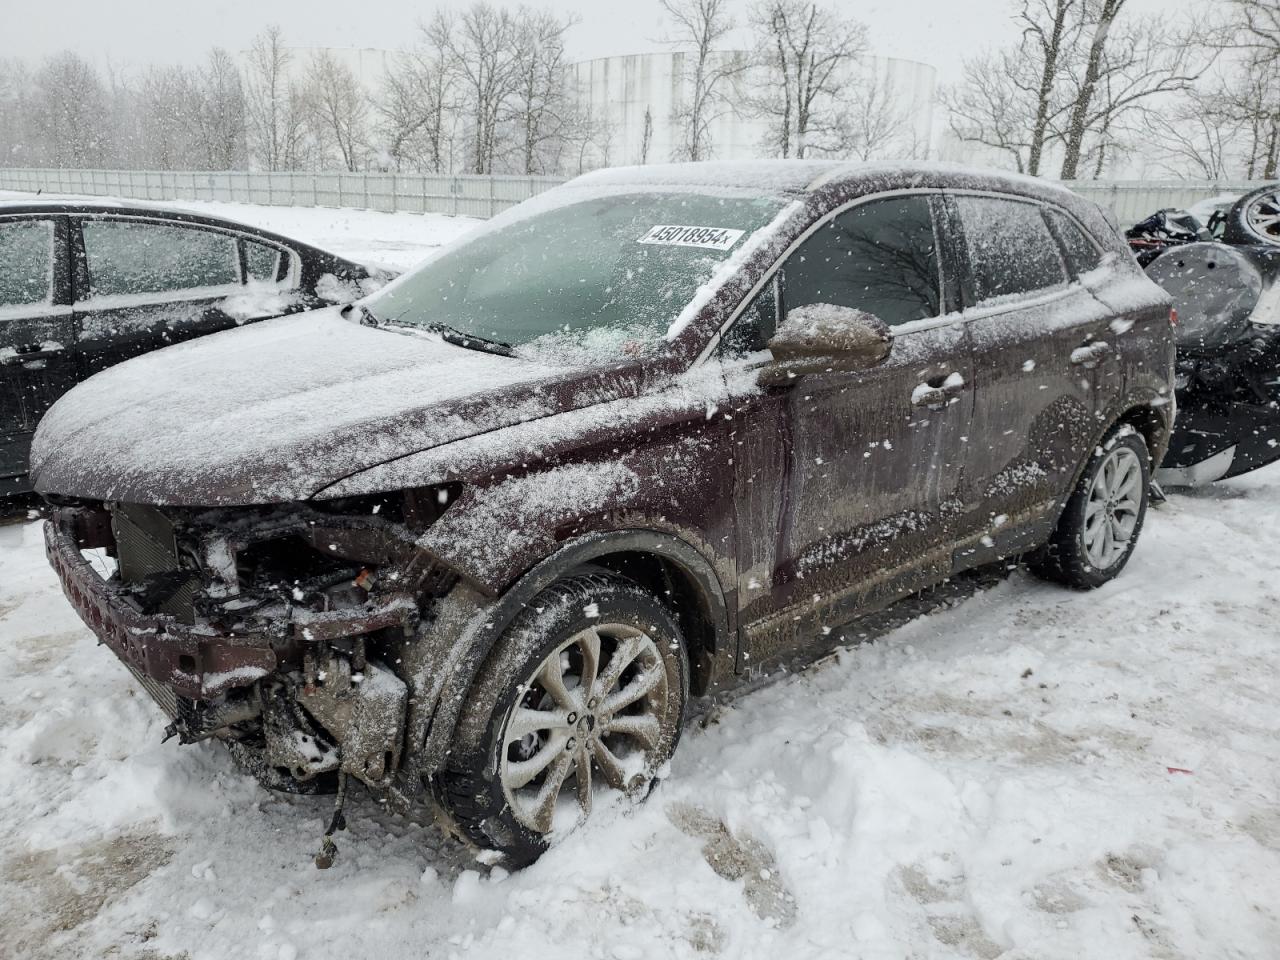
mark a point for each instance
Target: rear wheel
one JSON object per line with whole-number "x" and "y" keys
{"x": 583, "y": 698}
{"x": 1101, "y": 521}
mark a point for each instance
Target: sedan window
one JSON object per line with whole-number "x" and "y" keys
{"x": 130, "y": 257}
{"x": 26, "y": 262}
{"x": 262, "y": 263}
{"x": 1011, "y": 252}
{"x": 880, "y": 257}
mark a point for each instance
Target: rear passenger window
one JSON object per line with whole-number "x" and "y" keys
{"x": 1082, "y": 255}
{"x": 878, "y": 256}
{"x": 1011, "y": 251}
{"x": 127, "y": 257}
{"x": 26, "y": 262}
{"x": 261, "y": 261}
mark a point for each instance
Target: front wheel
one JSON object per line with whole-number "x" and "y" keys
{"x": 1101, "y": 521}
{"x": 583, "y": 696}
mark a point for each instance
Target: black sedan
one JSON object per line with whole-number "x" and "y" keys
{"x": 84, "y": 285}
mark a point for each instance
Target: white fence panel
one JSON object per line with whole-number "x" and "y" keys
{"x": 468, "y": 194}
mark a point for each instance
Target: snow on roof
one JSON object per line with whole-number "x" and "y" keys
{"x": 774, "y": 176}
{"x": 802, "y": 176}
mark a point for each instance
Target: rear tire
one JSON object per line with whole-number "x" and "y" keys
{"x": 584, "y": 693}
{"x": 1103, "y": 517}
{"x": 1254, "y": 218}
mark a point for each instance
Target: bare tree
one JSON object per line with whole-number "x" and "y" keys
{"x": 1259, "y": 28}
{"x": 70, "y": 105}
{"x": 15, "y": 113}
{"x": 1122, "y": 66}
{"x": 540, "y": 107}
{"x": 483, "y": 50}
{"x": 1050, "y": 28}
{"x": 275, "y": 110}
{"x": 872, "y": 125}
{"x": 220, "y": 116}
{"x": 646, "y": 135}
{"x": 419, "y": 106}
{"x": 699, "y": 27}
{"x": 807, "y": 52}
{"x": 990, "y": 107}
{"x": 338, "y": 106}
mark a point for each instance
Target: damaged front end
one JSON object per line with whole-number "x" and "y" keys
{"x": 277, "y": 629}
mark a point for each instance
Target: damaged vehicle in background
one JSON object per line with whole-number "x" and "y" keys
{"x": 1223, "y": 280}
{"x": 479, "y": 538}
{"x": 86, "y": 284}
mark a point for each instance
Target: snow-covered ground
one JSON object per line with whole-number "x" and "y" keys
{"x": 395, "y": 240}
{"x": 1032, "y": 774}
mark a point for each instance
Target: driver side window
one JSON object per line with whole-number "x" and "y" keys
{"x": 880, "y": 257}
{"x": 755, "y": 326}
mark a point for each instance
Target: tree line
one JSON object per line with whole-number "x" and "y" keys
{"x": 1092, "y": 84}
{"x": 483, "y": 89}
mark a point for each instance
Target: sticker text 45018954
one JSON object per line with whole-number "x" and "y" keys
{"x": 712, "y": 238}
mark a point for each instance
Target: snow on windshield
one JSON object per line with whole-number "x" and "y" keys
{"x": 598, "y": 277}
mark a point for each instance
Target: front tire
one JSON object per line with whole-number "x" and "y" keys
{"x": 1102, "y": 519}
{"x": 584, "y": 694}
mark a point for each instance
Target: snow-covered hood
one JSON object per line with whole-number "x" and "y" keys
{"x": 280, "y": 410}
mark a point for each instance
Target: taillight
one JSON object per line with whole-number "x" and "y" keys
{"x": 1173, "y": 316}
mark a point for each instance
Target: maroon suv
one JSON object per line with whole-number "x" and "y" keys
{"x": 480, "y": 536}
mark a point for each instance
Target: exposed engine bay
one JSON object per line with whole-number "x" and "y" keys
{"x": 277, "y": 629}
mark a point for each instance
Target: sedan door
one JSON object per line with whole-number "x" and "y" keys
{"x": 36, "y": 335}
{"x": 1043, "y": 371}
{"x": 846, "y": 481}
{"x": 142, "y": 284}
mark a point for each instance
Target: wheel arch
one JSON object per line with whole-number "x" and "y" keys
{"x": 673, "y": 569}
{"x": 1152, "y": 424}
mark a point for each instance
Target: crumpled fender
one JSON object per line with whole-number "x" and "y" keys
{"x": 490, "y": 534}
{"x": 443, "y": 662}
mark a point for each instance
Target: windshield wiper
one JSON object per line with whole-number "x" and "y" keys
{"x": 464, "y": 339}
{"x": 447, "y": 333}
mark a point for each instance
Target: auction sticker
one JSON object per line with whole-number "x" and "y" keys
{"x": 712, "y": 238}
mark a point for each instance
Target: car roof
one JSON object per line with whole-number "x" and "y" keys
{"x": 798, "y": 177}
{"x": 55, "y": 204}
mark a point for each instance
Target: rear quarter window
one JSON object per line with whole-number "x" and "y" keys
{"x": 1010, "y": 249}
{"x": 1081, "y": 253}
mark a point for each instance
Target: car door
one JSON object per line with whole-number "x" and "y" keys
{"x": 1040, "y": 340}
{"x": 142, "y": 284}
{"x": 846, "y": 482}
{"x": 36, "y": 334}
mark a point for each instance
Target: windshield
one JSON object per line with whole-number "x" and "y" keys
{"x": 593, "y": 279}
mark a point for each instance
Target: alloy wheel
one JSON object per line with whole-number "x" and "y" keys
{"x": 1263, "y": 217}
{"x": 1113, "y": 508}
{"x": 597, "y": 705}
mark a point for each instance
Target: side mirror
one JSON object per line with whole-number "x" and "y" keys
{"x": 823, "y": 337}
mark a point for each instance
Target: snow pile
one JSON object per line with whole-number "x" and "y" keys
{"x": 1035, "y": 773}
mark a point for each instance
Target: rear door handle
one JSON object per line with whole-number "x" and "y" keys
{"x": 938, "y": 392}
{"x": 1089, "y": 355}
{"x": 27, "y": 353}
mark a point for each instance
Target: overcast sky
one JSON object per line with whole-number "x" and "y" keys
{"x": 141, "y": 31}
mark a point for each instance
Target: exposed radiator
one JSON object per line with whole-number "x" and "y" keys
{"x": 146, "y": 547}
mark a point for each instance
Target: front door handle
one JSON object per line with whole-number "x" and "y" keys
{"x": 938, "y": 392}
{"x": 1089, "y": 355}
